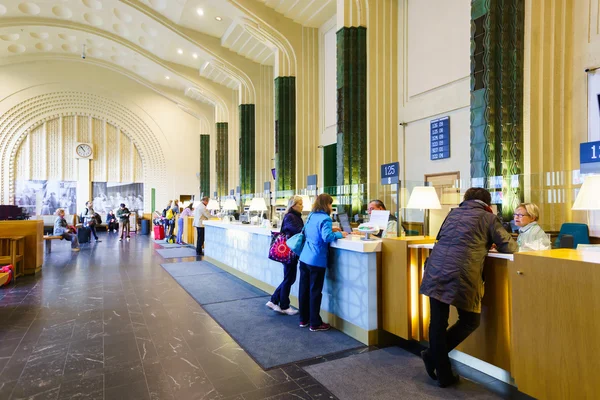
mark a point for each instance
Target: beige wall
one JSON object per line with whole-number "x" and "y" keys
{"x": 434, "y": 79}
{"x": 47, "y": 152}
{"x": 166, "y": 136}
{"x": 562, "y": 39}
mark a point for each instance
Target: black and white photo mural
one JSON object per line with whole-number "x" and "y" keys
{"x": 44, "y": 197}
{"x": 109, "y": 195}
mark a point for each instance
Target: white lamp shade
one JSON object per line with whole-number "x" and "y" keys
{"x": 258, "y": 204}
{"x": 424, "y": 198}
{"x": 212, "y": 205}
{"x": 588, "y": 197}
{"x": 306, "y": 203}
{"x": 230, "y": 204}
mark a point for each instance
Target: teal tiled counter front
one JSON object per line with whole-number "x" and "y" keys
{"x": 350, "y": 290}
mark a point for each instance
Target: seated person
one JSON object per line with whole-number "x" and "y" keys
{"x": 392, "y": 226}
{"x": 61, "y": 228}
{"x": 531, "y": 235}
{"x": 111, "y": 221}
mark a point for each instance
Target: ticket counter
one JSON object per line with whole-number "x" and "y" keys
{"x": 539, "y": 329}
{"x": 350, "y": 294}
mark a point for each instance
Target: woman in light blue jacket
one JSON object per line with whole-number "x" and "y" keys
{"x": 319, "y": 233}
{"x": 531, "y": 235}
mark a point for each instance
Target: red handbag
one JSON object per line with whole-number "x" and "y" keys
{"x": 279, "y": 250}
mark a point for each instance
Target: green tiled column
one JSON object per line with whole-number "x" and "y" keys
{"x": 285, "y": 132}
{"x": 247, "y": 148}
{"x": 497, "y": 96}
{"x": 222, "y": 159}
{"x": 205, "y": 165}
{"x": 352, "y": 108}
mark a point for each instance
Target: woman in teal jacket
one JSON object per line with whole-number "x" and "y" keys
{"x": 319, "y": 233}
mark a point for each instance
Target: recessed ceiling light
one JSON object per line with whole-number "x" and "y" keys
{"x": 200, "y": 11}
{"x": 180, "y": 51}
{"x": 167, "y": 77}
{"x": 195, "y": 55}
{"x": 218, "y": 18}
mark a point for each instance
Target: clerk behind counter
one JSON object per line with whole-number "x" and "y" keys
{"x": 531, "y": 235}
{"x": 392, "y": 226}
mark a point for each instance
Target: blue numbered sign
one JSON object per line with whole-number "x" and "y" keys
{"x": 589, "y": 157}
{"x": 440, "y": 138}
{"x": 390, "y": 173}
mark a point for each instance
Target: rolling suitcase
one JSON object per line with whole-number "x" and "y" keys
{"x": 83, "y": 235}
{"x": 159, "y": 232}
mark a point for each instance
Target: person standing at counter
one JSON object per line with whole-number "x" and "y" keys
{"x": 313, "y": 261}
{"x": 454, "y": 276}
{"x": 200, "y": 214}
{"x": 187, "y": 212}
{"x": 291, "y": 225}
{"x": 531, "y": 235}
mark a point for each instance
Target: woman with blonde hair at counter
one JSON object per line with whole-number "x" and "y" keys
{"x": 291, "y": 225}
{"x": 313, "y": 261}
{"x": 531, "y": 235}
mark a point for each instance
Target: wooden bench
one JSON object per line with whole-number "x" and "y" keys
{"x": 48, "y": 240}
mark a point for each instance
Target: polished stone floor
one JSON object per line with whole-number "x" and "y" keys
{"x": 110, "y": 323}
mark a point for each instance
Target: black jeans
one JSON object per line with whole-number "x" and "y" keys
{"x": 311, "y": 294}
{"x": 113, "y": 226}
{"x": 93, "y": 231}
{"x": 199, "y": 240}
{"x": 442, "y": 340}
{"x": 281, "y": 296}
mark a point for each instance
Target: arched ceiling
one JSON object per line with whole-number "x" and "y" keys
{"x": 178, "y": 44}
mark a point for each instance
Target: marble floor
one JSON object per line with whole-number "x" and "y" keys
{"x": 110, "y": 323}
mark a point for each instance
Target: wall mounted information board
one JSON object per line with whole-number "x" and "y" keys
{"x": 440, "y": 138}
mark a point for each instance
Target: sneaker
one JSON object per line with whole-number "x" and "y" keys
{"x": 75, "y": 249}
{"x": 273, "y": 306}
{"x": 289, "y": 311}
{"x": 322, "y": 327}
{"x": 303, "y": 324}
{"x": 120, "y": 239}
{"x": 128, "y": 238}
{"x": 98, "y": 240}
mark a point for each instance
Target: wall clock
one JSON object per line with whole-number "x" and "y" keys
{"x": 83, "y": 150}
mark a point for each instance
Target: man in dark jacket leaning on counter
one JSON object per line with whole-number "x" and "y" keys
{"x": 454, "y": 276}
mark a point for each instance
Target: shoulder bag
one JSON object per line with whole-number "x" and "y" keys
{"x": 279, "y": 250}
{"x": 296, "y": 242}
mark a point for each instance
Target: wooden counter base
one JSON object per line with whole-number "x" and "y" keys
{"x": 33, "y": 230}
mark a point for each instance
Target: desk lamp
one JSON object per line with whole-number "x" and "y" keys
{"x": 588, "y": 198}
{"x": 212, "y": 205}
{"x": 258, "y": 204}
{"x": 230, "y": 205}
{"x": 424, "y": 198}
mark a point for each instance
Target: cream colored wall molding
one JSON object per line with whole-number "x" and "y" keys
{"x": 352, "y": 13}
{"x": 193, "y": 108}
{"x": 217, "y": 92}
{"x": 267, "y": 25}
{"x": 17, "y": 122}
{"x": 237, "y": 67}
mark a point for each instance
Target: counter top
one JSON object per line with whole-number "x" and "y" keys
{"x": 492, "y": 254}
{"x": 361, "y": 246}
{"x": 589, "y": 256}
{"x": 355, "y": 244}
{"x": 240, "y": 227}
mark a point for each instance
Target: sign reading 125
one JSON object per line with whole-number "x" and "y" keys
{"x": 390, "y": 173}
{"x": 589, "y": 157}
